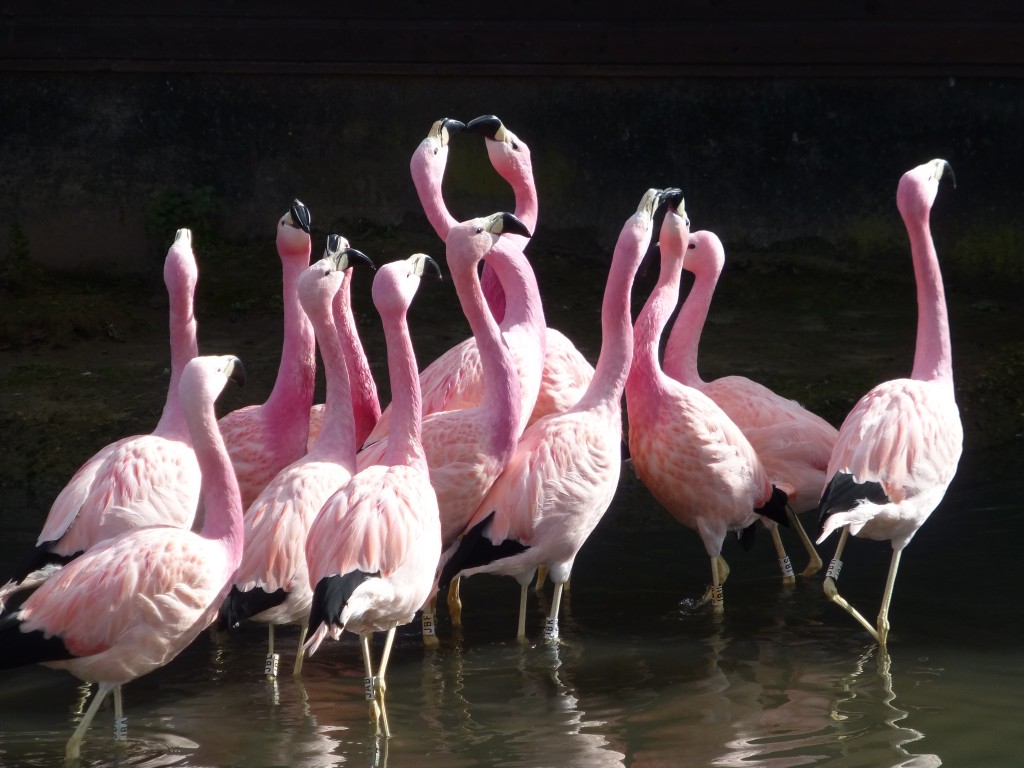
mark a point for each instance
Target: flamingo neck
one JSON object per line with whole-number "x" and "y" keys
{"x": 221, "y": 498}
{"x": 650, "y": 323}
{"x": 292, "y": 395}
{"x": 523, "y": 306}
{"x": 682, "y": 348}
{"x": 365, "y": 401}
{"x": 184, "y": 346}
{"x": 427, "y": 172}
{"x": 337, "y": 439}
{"x": 933, "y": 357}
{"x": 520, "y": 177}
{"x": 614, "y": 361}
{"x": 501, "y": 398}
{"x": 404, "y": 444}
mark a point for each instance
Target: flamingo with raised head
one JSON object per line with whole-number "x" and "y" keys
{"x": 365, "y": 401}
{"x": 565, "y": 470}
{"x": 899, "y": 447}
{"x": 694, "y": 460}
{"x": 264, "y": 439}
{"x": 373, "y": 548}
{"x": 136, "y": 481}
{"x": 130, "y": 604}
{"x": 468, "y": 448}
{"x": 566, "y": 373}
{"x": 793, "y": 443}
{"x": 272, "y": 582}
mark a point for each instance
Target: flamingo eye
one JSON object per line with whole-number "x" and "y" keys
{"x": 479, "y": 230}
{"x": 327, "y": 272}
{"x": 435, "y": 150}
{"x": 692, "y": 246}
{"x": 515, "y": 145}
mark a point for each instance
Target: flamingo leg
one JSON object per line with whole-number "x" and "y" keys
{"x": 303, "y": 631}
{"x": 832, "y": 593}
{"x": 455, "y": 602}
{"x": 717, "y": 598}
{"x": 74, "y": 747}
{"x": 381, "y": 685}
{"x": 551, "y": 627}
{"x": 814, "y": 559}
{"x": 883, "y": 614}
{"x": 521, "y": 634}
{"x": 784, "y": 564}
{"x": 370, "y": 682}
{"x": 429, "y": 621}
{"x": 120, "y": 721}
{"x": 542, "y": 574}
{"x": 273, "y": 659}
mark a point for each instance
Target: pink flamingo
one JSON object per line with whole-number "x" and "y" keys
{"x": 264, "y": 439}
{"x": 468, "y": 448}
{"x": 565, "y": 470}
{"x": 373, "y": 548}
{"x": 899, "y": 447}
{"x": 272, "y": 583}
{"x": 566, "y": 373}
{"x": 136, "y": 481}
{"x": 130, "y": 604}
{"x": 793, "y": 443}
{"x": 365, "y": 402}
{"x": 690, "y": 455}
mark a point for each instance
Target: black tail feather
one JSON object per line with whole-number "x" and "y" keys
{"x": 18, "y": 649}
{"x": 747, "y": 536}
{"x": 239, "y": 606}
{"x": 775, "y": 507}
{"x": 475, "y": 549}
{"x": 843, "y": 493}
{"x": 36, "y": 558}
{"x": 330, "y": 596}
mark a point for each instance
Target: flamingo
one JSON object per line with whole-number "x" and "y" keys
{"x": 272, "y": 583}
{"x": 467, "y": 449}
{"x": 138, "y": 480}
{"x": 373, "y": 548}
{"x": 130, "y": 604}
{"x": 264, "y": 439}
{"x": 898, "y": 449}
{"x": 365, "y": 401}
{"x": 690, "y": 455}
{"x": 566, "y": 373}
{"x": 793, "y": 443}
{"x": 565, "y": 469}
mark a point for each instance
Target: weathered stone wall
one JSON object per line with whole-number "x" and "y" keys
{"x": 97, "y": 169}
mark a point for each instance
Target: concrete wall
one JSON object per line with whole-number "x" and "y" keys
{"x": 96, "y": 168}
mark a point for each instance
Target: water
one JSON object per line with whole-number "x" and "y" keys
{"x": 643, "y": 675}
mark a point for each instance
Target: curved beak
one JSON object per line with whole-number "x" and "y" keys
{"x": 488, "y": 126}
{"x": 421, "y": 263}
{"x": 508, "y": 223}
{"x": 235, "y": 371}
{"x": 673, "y": 196}
{"x": 183, "y": 235}
{"x": 300, "y": 216}
{"x": 942, "y": 167}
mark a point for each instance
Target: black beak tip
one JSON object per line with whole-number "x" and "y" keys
{"x": 486, "y": 125}
{"x": 300, "y": 214}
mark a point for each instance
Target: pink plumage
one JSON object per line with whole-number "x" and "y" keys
{"x": 899, "y": 447}
{"x": 139, "y": 480}
{"x": 264, "y": 439}
{"x": 694, "y": 460}
{"x": 132, "y": 603}
{"x": 272, "y": 582}
{"x": 793, "y": 443}
{"x": 565, "y": 470}
{"x": 374, "y": 546}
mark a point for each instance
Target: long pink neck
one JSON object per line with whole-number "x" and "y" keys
{"x": 682, "y": 348}
{"x": 337, "y": 439}
{"x": 501, "y": 399}
{"x": 365, "y": 402}
{"x": 184, "y": 346}
{"x": 292, "y": 396}
{"x": 520, "y": 176}
{"x": 404, "y": 440}
{"x": 614, "y": 361}
{"x": 645, "y": 372}
{"x": 933, "y": 357}
{"x": 427, "y": 171}
{"x": 221, "y": 497}
{"x": 523, "y": 307}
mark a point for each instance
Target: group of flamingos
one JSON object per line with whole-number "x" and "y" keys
{"x": 501, "y": 456}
